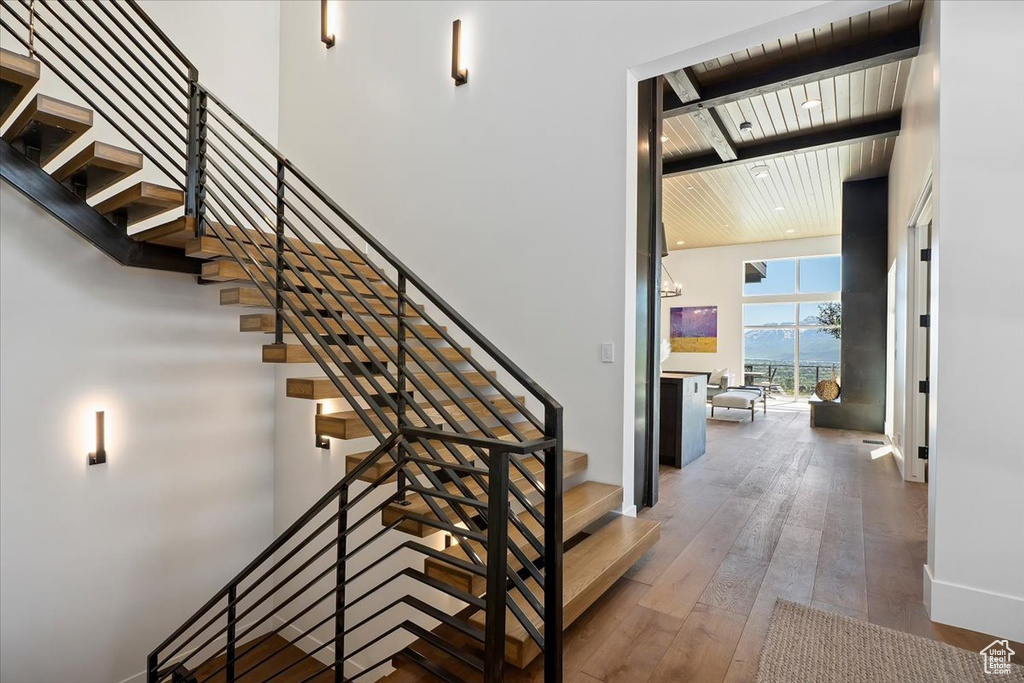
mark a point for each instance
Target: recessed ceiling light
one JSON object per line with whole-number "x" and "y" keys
{"x": 780, "y": 208}
{"x": 680, "y": 242}
{"x": 689, "y": 187}
{"x": 664, "y": 138}
{"x": 811, "y": 104}
{"x": 790, "y": 231}
{"x": 759, "y": 171}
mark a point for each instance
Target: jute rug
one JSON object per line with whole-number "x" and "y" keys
{"x": 806, "y": 644}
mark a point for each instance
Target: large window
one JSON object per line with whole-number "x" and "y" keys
{"x": 811, "y": 275}
{"x": 790, "y": 343}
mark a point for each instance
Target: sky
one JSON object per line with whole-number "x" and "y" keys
{"x": 819, "y": 274}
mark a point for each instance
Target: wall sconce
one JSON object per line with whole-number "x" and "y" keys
{"x": 99, "y": 456}
{"x": 460, "y": 75}
{"x": 325, "y": 37}
{"x": 321, "y": 441}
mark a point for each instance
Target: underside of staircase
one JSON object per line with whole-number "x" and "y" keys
{"x": 457, "y": 464}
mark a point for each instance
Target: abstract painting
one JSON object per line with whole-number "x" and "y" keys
{"x": 694, "y": 329}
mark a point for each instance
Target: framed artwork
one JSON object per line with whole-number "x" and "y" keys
{"x": 694, "y": 329}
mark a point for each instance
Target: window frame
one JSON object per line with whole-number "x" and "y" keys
{"x": 795, "y": 299}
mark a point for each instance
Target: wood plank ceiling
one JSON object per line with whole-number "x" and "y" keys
{"x": 801, "y": 194}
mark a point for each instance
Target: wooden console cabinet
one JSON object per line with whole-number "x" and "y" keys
{"x": 683, "y": 418}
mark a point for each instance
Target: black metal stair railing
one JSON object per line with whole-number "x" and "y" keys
{"x": 390, "y": 346}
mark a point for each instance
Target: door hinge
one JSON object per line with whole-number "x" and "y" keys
{"x": 926, "y": 320}
{"x": 922, "y": 386}
{"x": 922, "y": 452}
{"x": 926, "y": 254}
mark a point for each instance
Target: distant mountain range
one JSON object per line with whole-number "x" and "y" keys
{"x": 777, "y": 344}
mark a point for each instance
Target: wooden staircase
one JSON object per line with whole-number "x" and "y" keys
{"x": 356, "y": 306}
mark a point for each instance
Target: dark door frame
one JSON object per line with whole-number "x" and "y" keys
{"x": 648, "y": 285}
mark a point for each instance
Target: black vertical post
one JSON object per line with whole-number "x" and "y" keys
{"x": 339, "y": 593}
{"x": 229, "y": 671}
{"x": 195, "y": 163}
{"x": 402, "y": 362}
{"x": 497, "y": 566}
{"x": 553, "y": 546}
{"x": 647, "y": 410}
{"x": 279, "y": 251}
{"x": 152, "y": 672}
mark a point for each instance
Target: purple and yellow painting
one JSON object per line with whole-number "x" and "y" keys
{"x": 694, "y": 329}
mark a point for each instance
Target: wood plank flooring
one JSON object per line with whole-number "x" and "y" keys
{"x": 775, "y": 509}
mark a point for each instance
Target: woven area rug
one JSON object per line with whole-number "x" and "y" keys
{"x": 806, "y": 644}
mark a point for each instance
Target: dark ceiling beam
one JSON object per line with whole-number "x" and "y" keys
{"x": 870, "y": 53}
{"x": 778, "y": 147}
{"x": 684, "y": 84}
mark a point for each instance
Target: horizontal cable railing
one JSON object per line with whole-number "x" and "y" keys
{"x": 140, "y": 89}
{"x": 453, "y": 433}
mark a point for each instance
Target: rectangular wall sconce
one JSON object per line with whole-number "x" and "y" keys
{"x": 99, "y": 456}
{"x": 325, "y": 37}
{"x": 321, "y": 441}
{"x": 460, "y": 75}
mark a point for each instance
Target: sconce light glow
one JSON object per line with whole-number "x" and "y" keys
{"x": 325, "y": 37}
{"x": 460, "y": 75}
{"x": 99, "y": 456}
{"x": 322, "y": 441}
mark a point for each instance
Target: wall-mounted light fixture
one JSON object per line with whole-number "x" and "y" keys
{"x": 321, "y": 440}
{"x": 460, "y": 75}
{"x": 99, "y": 456}
{"x": 325, "y": 37}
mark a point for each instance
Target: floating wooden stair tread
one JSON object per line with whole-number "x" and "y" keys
{"x": 223, "y": 270}
{"x": 269, "y": 239}
{"x": 18, "y": 75}
{"x": 173, "y": 233}
{"x": 376, "y": 470}
{"x": 297, "y": 353}
{"x": 572, "y": 463}
{"x": 264, "y": 322}
{"x": 253, "y": 298}
{"x": 348, "y": 425}
{"x": 49, "y": 125}
{"x": 209, "y": 247}
{"x": 581, "y": 506}
{"x": 320, "y": 388}
{"x": 141, "y": 201}
{"x": 97, "y": 167}
{"x": 588, "y": 570}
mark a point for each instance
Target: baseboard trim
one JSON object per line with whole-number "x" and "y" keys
{"x": 242, "y": 628}
{"x": 628, "y": 511}
{"x": 972, "y": 608}
{"x": 307, "y": 643}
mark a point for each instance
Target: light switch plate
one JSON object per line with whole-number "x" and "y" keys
{"x": 607, "y": 352}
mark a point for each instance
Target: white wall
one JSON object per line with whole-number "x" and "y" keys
{"x": 99, "y": 564}
{"x": 713, "y": 276}
{"x": 909, "y": 173}
{"x": 976, "y": 553}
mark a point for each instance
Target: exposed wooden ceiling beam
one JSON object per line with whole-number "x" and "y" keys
{"x": 777, "y": 147}
{"x": 844, "y": 60}
{"x": 685, "y": 87}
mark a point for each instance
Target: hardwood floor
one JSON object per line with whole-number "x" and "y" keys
{"x": 774, "y": 509}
